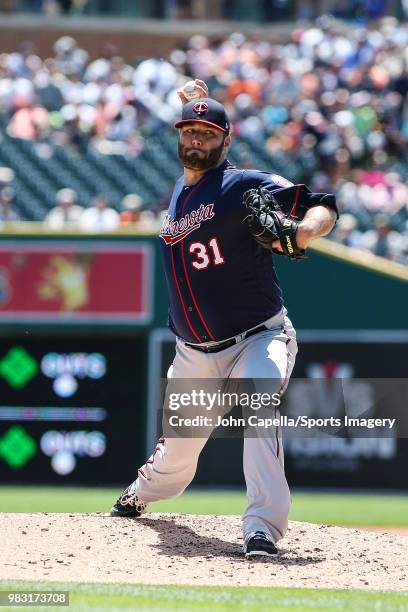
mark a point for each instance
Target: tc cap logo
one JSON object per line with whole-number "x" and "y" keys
{"x": 200, "y": 108}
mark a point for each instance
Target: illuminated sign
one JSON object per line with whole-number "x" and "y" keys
{"x": 366, "y": 462}
{"x": 71, "y": 408}
{"x": 17, "y": 447}
{"x": 65, "y": 369}
{"x": 18, "y": 367}
{"x": 76, "y": 281}
{"x": 64, "y": 446}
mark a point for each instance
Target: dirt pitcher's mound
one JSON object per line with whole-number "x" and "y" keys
{"x": 186, "y": 549}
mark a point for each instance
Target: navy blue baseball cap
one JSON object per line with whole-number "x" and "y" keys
{"x": 205, "y": 110}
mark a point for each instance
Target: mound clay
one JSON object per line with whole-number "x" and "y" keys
{"x": 185, "y": 549}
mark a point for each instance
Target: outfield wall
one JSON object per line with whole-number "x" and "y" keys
{"x": 82, "y": 322}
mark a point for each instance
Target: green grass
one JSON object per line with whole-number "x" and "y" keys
{"x": 351, "y": 509}
{"x": 328, "y": 508}
{"x": 146, "y": 598}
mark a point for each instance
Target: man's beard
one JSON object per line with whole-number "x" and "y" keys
{"x": 195, "y": 161}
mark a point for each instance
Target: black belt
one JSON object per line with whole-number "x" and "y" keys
{"x": 220, "y": 346}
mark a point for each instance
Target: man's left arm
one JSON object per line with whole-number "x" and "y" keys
{"x": 318, "y": 221}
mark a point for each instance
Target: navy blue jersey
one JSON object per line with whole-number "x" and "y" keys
{"x": 221, "y": 282}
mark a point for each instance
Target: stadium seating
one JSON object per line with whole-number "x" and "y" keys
{"x": 42, "y": 169}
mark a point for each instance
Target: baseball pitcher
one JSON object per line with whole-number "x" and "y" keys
{"x": 223, "y": 228}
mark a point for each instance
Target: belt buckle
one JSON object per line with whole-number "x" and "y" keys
{"x": 209, "y": 346}
{"x": 219, "y": 346}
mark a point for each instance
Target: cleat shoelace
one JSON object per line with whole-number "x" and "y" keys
{"x": 131, "y": 499}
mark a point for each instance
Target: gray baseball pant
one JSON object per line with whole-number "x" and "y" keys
{"x": 268, "y": 355}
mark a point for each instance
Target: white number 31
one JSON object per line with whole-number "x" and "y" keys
{"x": 203, "y": 258}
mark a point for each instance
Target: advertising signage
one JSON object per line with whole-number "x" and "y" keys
{"x": 324, "y": 370}
{"x": 76, "y": 281}
{"x": 71, "y": 411}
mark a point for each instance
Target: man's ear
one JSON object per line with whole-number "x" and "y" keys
{"x": 227, "y": 141}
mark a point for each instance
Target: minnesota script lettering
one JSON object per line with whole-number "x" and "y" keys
{"x": 174, "y": 231}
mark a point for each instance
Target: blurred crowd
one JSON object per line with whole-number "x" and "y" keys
{"x": 99, "y": 216}
{"x": 337, "y": 96}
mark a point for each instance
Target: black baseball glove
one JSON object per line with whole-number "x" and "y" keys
{"x": 267, "y": 223}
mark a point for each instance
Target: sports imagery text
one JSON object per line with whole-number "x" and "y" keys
{"x": 301, "y": 422}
